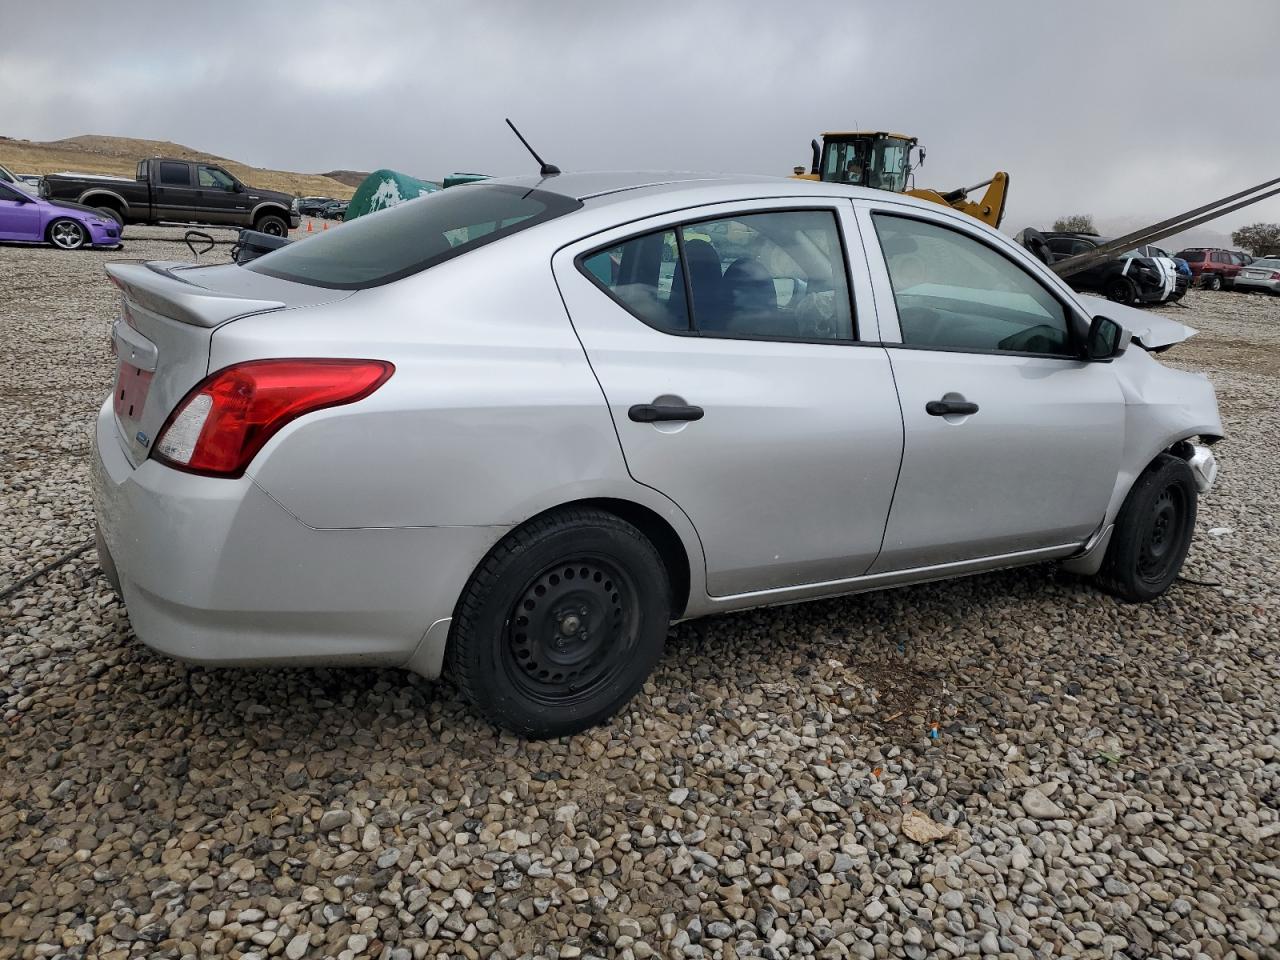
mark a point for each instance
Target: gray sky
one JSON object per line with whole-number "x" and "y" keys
{"x": 1129, "y": 111}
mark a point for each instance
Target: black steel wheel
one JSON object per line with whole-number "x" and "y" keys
{"x": 1122, "y": 290}
{"x": 272, "y": 225}
{"x": 1152, "y": 533}
{"x": 561, "y": 623}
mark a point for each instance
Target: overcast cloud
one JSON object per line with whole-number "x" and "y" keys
{"x": 1128, "y": 111}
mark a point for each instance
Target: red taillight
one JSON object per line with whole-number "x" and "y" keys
{"x": 224, "y": 421}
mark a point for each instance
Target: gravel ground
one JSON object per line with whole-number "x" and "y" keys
{"x": 1012, "y": 764}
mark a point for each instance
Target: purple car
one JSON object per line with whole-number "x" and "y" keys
{"x": 29, "y": 219}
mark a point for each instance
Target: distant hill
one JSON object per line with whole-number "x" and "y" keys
{"x": 119, "y": 156}
{"x": 352, "y": 178}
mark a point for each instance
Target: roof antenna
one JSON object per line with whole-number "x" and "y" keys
{"x": 548, "y": 169}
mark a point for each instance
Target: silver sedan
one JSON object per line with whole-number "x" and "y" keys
{"x": 1261, "y": 276}
{"x": 512, "y": 430}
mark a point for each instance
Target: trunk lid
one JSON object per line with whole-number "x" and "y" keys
{"x": 169, "y": 312}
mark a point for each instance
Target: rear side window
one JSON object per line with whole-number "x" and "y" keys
{"x": 410, "y": 237}
{"x": 175, "y": 174}
{"x": 776, "y": 275}
{"x": 639, "y": 273}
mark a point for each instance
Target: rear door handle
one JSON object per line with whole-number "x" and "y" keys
{"x": 941, "y": 408}
{"x": 654, "y": 412}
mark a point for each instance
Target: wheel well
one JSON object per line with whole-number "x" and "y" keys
{"x": 660, "y": 533}
{"x": 280, "y": 212}
{"x": 104, "y": 200}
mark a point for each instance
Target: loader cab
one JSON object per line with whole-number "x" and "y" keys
{"x": 878, "y": 160}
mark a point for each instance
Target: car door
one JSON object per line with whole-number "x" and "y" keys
{"x": 216, "y": 196}
{"x": 1012, "y": 442}
{"x": 744, "y": 385}
{"x": 175, "y": 195}
{"x": 19, "y": 215}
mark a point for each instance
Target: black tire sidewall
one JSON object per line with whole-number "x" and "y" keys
{"x": 114, "y": 214}
{"x": 1121, "y": 290}
{"x": 1121, "y": 568}
{"x": 272, "y": 219}
{"x": 477, "y": 644}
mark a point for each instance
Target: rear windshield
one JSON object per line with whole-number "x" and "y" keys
{"x": 410, "y": 237}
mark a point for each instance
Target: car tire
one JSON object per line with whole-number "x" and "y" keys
{"x": 272, "y": 224}
{"x": 113, "y": 214}
{"x": 1121, "y": 290}
{"x": 1213, "y": 282}
{"x": 67, "y": 234}
{"x": 1152, "y": 532}
{"x": 561, "y": 623}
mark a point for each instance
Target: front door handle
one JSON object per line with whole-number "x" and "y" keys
{"x": 942, "y": 408}
{"x": 654, "y": 412}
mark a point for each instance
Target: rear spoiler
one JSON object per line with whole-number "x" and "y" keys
{"x": 156, "y": 287}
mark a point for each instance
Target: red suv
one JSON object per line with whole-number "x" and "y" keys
{"x": 1215, "y": 268}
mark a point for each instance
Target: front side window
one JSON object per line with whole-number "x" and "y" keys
{"x": 846, "y": 162}
{"x": 175, "y": 174}
{"x": 955, "y": 293}
{"x": 413, "y": 236}
{"x": 214, "y": 179}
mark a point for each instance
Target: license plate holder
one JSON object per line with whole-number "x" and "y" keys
{"x": 130, "y": 396}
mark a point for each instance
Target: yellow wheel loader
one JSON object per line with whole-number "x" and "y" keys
{"x": 883, "y": 161}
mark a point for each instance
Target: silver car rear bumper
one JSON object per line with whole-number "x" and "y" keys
{"x": 215, "y": 571}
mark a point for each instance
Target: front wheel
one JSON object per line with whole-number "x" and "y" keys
{"x": 560, "y": 624}
{"x": 1152, "y": 532}
{"x": 1121, "y": 290}
{"x": 67, "y": 234}
{"x": 273, "y": 225}
{"x": 1213, "y": 282}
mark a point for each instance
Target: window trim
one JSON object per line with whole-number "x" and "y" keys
{"x": 677, "y": 226}
{"x": 1072, "y": 314}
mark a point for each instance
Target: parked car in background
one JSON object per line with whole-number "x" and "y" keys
{"x": 1139, "y": 276}
{"x": 311, "y": 206}
{"x": 68, "y": 226}
{"x": 334, "y": 210}
{"x": 178, "y": 191}
{"x": 1213, "y": 267}
{"x": 1260, "y": 276}
{"x": 22, "y": 181}
{"x": 361, "y": 448}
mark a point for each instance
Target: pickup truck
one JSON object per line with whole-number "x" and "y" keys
{"x": 178, "y": 191}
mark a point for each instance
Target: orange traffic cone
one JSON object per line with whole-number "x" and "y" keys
{"x": 325, "y": 225}
{"x": 309, "y": 226}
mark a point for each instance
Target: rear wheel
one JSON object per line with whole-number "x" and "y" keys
{"x": 112, "y": 213}
{"x": 1213, "y": 282}
{"x": 1152, "y": 533}
{"x": 1121, "y": 290}
{"x": 67, "y": 234}
{"x": 561, "y": 624}
{"x": 272, "y": 224}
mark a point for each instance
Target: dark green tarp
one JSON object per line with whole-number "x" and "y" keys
{"x": 386, "y": 188}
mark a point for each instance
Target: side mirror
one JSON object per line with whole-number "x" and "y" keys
{"x": 237, "y": 186}
{"x": 1107, "y": 339}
